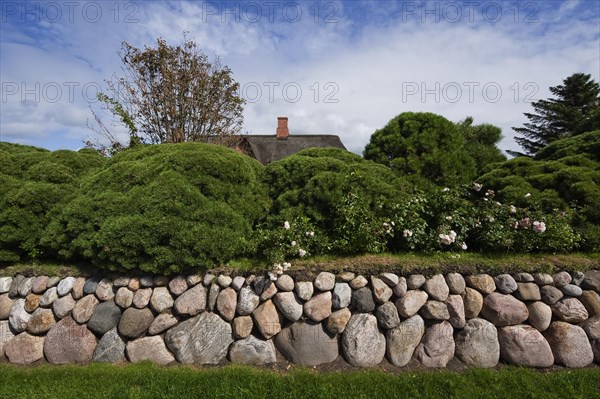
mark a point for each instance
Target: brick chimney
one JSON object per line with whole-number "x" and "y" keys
{"x": 282, "y": 131}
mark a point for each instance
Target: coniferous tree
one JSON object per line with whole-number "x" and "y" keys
{"x": 574, "y": 110}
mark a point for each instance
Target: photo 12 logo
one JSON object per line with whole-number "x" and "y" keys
{"x": 469, "y": 11}
{"x": 270, "y": 11}
{"x": 70, "y": 11}
{"x": 454, "y": 92}
{"x": 290, "y": 92}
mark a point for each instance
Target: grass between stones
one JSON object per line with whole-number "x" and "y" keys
{"x": 404, "y": 264}
{"x": 149, "y": 381}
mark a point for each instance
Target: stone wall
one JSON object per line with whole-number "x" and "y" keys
{"x": 531, "y": 320}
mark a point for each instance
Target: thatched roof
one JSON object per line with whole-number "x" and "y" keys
{"x": 268, "y": 148}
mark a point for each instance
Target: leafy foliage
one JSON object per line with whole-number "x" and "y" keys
{"x": 423, "y": 146}
{"x": 162, "y": 209}
{"x": 574, "y": 110}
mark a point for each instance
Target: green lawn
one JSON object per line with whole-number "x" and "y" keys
{"x": 149, "y": 381}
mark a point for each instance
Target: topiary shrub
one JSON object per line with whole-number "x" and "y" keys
{"x": 36, "y": 183}
{"x": 344, "y": 200}
{"x": 163, "y": 209}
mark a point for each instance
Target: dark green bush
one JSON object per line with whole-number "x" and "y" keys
{"x": 35, "y": 184}
{"x": 163, "y": 209}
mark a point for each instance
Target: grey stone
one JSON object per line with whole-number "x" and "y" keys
{"x": 260, "y": 283}
{"x": 247, "y": 301}
{"x": 570, "y": 345}
{"x": 110, "y": 348}
{"x": 6, "y": 304}
{"x": 6, "y": 335}
{"x": 577, "y": 278}
{"x": 5, "y": 283}
{"x": 390, "y": 279}
{"x": 342, "y": 295}
{"x": 523, "y": 277}
{"x": 358, "y": 282}
{"x": 307, "y": 344}
{"x": 592, "y": 327}
{"x": 456, "y": 283}
{"x": 543, "y": 279}
{"x": 49, "y": 297}
{"x": 151, "y": 349}
{"x": 415, "y": 281}
{"x": 134, "y": 284}
{"x": 540, "y": 315}
{"x": 561, "y": 279}
{"x": 161, "y": 300}
{"x": 134, "y": 322}
{"x": 362, "y": 300}
{"x": 285, "y": 283}
{"x": 505, "y": 283}
{"x": 401, "y": 288}
{"x": 24, "y": 349}
{"x": 52, "y": 281}
{"x": 39, "y": 284}
{"x": 203, "y": 339}
{"x": 252, "y": 350}
{"x": 504, "y": 310}
{"x": 124, "y": 297}
{"x": 362, "y": 343}
{"x": 437, "y": 346}
{"x": 387, "y": 316}
{"x": 41, "y": 321}
{"x": 104, "y": 291}
{"x": 456, "y": 310}
{"x": 473, "y": 302}
{"x": 69, "y": 342}
{"x": 147, "y": 281}
{"x": 242, "y": 326}
{"x": 160, "y": 281}
{"x": 591, "y": 281}
{"x": 238, "y": 282}
{"x": 178, "y": 285}
{"x": 13, "y": 290}
{"x": 570, "y": 310}
{"x": 550, "y": 295}
{"x": 224, "y": 281}
{"x": 483, "y": 283}
{"x": 523, "y": 345}
{"x": 18, "y": 317}
{"x": 572, "y": 290}
{"x": 381, "y": 291}
{"x": 325, "y": 281}
{"x": 208, "y": 279}
{"x": 162, "y": 323}
{"x": 91, "y": 285}
{"x": 477, "y": 344}
{"x": 121, "y": 281}
{"x": 77, "y": 291}
{"x": 250, "y": 279}
{"x": 289, "y": 305}
{"x": 434, "y": 310}
{"x": 528, "y": 292}
{"x": 437, "y": 288}
{"x": 62, "y": 307}
{"x": 410, "y": 303}
{"x": 227, "y": 303}
{"x": 336, "y": 323}
{"x": 213, "y": 294}
{"x": 403, "y": 340}
{"x": 304, "y": 290}
{"x": 141, "y": 298}
{"x": 26, "y": 286}
{"x": 318, "y": 307}
{"x": 191, "y": 302}
{"x": 105, "y": 317}
{"x": 84, "y": 308}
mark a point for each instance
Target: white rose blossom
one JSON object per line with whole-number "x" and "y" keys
{"x": 286, "y": 225}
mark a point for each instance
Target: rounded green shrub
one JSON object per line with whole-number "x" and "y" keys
{"x": 163, "y": 209}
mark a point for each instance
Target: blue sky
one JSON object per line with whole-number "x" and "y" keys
{"x": 332, "y": 67}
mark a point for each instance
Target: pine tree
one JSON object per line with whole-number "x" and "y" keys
{"x": 574, "y": 110}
